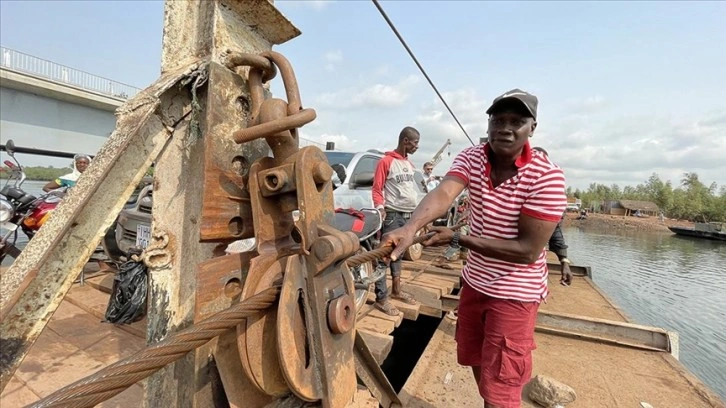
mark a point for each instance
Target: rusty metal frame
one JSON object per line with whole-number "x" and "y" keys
{"x": 368, "y": 370}
{"x": 36, "y": 283}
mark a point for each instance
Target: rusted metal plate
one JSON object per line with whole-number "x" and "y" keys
{"x": 240, "y": 391}
{"x": 257, "y": 339}
{"x": 219, "y": 283}
{"x": 226, "y": 211}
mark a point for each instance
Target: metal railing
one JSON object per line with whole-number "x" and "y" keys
{"x": 21, "y": 62}
{"x": 308, "y": 142}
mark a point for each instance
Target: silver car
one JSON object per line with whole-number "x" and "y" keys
{"x": 132, "y": 229}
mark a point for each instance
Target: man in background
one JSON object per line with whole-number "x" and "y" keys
{"x": 430, "y": 180}
{"x": 557, "y": 244}
{"x": 394, "y": 195}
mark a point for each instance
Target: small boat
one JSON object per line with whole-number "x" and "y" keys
{"x": 708, "y": 230}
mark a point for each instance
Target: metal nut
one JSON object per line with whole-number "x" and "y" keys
{"x": 341, "y": 314}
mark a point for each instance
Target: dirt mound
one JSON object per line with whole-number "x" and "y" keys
{"x": 624, "y": 223}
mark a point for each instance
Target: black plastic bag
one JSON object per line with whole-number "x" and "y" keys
{"x": 128, "y": 295}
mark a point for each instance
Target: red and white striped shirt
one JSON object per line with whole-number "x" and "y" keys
{"x": 538, "y": 190}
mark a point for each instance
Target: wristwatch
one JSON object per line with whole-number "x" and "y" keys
{"x": 455, "y": 240}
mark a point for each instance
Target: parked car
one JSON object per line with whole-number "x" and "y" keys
{"x": 132, "y": 228}
{"x": 571, "y": 207}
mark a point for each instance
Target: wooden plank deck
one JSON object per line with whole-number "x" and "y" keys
{"x": 76, "y": 343}
{"x": 430, "y": 284}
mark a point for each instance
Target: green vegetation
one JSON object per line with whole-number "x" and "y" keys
{"x": 692, "y": 200}
{"x": 40, "y": 173}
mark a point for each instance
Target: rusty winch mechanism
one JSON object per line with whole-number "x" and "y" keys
{"x": 304, "y": 345}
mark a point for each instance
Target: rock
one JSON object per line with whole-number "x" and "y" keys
{"x": 549, "y": 392}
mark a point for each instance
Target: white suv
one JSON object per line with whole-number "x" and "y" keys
{"x": 355, "y": 190}
{"x": 357, "y": 182}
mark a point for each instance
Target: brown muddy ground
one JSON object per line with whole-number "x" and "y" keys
{"x": 606, "y": 221}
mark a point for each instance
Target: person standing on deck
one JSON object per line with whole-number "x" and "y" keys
{"x": 516, "y": 198}
{"x": 394, "y": 195}
{"x": 557, "y": 244}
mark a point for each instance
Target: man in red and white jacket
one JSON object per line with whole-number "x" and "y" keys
{"x": 394, "y": 195}
{"x": 516, "y": 198}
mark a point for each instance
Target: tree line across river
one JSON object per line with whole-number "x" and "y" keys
{"x": 690, "y": 200}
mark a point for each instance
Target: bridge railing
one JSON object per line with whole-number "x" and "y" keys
{"x": 21, "y": 62}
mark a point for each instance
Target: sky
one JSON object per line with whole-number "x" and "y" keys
{"x": 626, "y": 89}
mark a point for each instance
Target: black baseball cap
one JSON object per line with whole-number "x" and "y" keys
{"x": 525, "y": 98}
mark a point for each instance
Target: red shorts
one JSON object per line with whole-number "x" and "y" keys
{"x": 498, "y": 336}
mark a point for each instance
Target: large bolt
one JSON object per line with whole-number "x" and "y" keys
{"x": 341, "y": 314}
{"x": 322, "y": 173}
{"x": 323, "y": 248}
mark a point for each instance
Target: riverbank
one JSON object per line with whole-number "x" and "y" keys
{"x": 619, "y": 222}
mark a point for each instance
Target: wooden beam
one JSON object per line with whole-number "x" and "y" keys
{"x": 607, "y": 331}
{"x": 449, "y": 302}
{"x": 379, "y": 344}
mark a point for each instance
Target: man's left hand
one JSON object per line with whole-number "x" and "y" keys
{"x": 566, "y": 279}
{"x": 442, "y": 236}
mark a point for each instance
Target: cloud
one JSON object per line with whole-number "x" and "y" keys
{"x": 627, "y": 150}
{"x": 371, "y": 97}
{"x": 332, "y": 59}
{"x": 598, "y": 147}
{"x": 318, "y": 4}
{"x": 587, "y": 105}
{"x": 435, "y": 124}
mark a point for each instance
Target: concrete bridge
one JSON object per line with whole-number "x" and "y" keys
{"x": 48, "y": 106}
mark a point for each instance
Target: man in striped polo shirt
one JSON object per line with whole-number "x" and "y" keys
{"x": 516, "y": 198}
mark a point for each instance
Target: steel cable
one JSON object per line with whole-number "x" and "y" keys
{"x": 423, "y": 71}
{"x": 384, "y": 251}
{"x": 115, "y": 378}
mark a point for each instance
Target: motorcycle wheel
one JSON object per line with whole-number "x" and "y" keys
{"x": 361, "y": 293}
{"x": 413, "y": 252}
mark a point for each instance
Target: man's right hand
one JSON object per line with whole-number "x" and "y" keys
{"x": 382, "y": 212}
{"x": 566, "y": 278}
{"x": 400, "y": 239}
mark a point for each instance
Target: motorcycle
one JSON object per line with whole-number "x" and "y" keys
{"x": 366, "y": 223}
{"x": 19, "y": 210}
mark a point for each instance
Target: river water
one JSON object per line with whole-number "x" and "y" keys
{"x": 659, "y": 279}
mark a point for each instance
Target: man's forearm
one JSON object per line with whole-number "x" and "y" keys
{"x": 434, "y": 205}
{"x": 508, "y": 250}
